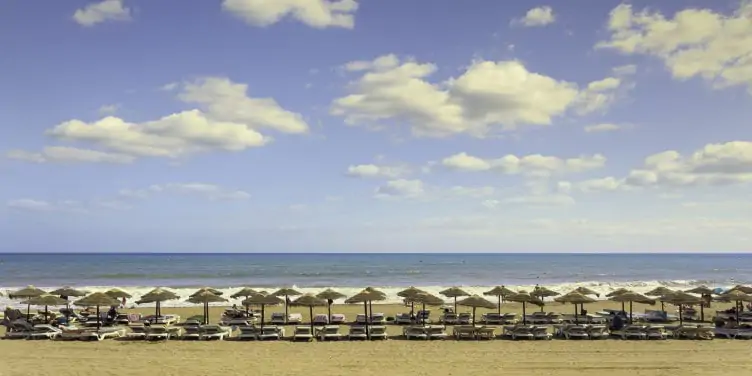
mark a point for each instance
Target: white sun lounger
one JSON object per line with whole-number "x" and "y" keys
{"x": 597, "y": 332}
{"x": 320, "y": 320}
{"x": 449, "y": 318}
{"x": 214, "y": 332}
{"x": 294, "y": 318}
{"x": 378, "y": 318}
{"x": 338, "y": 319}
{"x": 159, "y": 332}
{"x": 101, "y": 334}
{"x": 464, "y": 318}
{"x": 137, "y": 332}
{"x": 192, "y": 332}
{"x": 541, "y": 332}
{"x": 19, "y": 329}
{"x": 329, "y": 333}
{"x": 271, "y": 333}
{"x": 415, "y": 332}
{"x": 302, "y": 333}
{"x": 249, "y": 333}
{"x": 357, "y": 332}
{"x": 435, "y": 332}
{"x": 402, "y": 319}
{"x": 378, "y": 332}
{"x": 278, "y": 318}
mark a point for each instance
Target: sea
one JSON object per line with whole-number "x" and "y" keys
{"x": 351, "y": 272}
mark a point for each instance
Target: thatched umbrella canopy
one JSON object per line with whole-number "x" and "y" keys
{"x": 46, "y": 300}
{"x": 575, "y": 298}
{"x": 500, "y": 292}
{"x": 742, "y": 288}
{"x": 118, "y": 293}
{"x": 310, "y": 301}
{"x": 97, "y": 299}
{"x": 28, "y": 292}
{"x": 738, "y": 296}
{"x": 702, "y": 290}
{"x": 287, "y": 292}
{"x": 158, "y": 295}
{"x": 476, "y": 301}
{"x": 210, "y": 290}
{"x": 330, "y": 296}
{"x": 616, "y": 292}
{"x": 205, "y": 297}
{"x": 681, "y": 299}
{"x": 542, "y": 293}
{"x": 425, "y": 299}
{"x": 660, "y": 291}
{"x": 367, "y": 296}
{"x": 632, "y": 297}
{"x": 67, "y": 291}
{"x": 244, "y": 292}
{"x": 525, "y": 299}
{"x": 408, "y": 293}
{"x": 454, "y": 292}
{"x": 586, "y": 291}
{"x": 263, "y": 301}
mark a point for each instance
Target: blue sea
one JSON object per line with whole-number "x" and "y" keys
{"x": 349, "y": 273}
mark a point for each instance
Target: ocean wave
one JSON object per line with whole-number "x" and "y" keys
{"x": 391, "y": 291}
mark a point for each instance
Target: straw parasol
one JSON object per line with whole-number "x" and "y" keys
{"x": 742, "y": 288}
{"x": 330, "y": 296}
{"x": 205, "y": 297}
{"x": 660, "y": 291}
{"x": 738, "y": 296}
{"x": 366, "y": 296}
{"x": 118, "y": 293}
{"x": 310, "y": 301}
{"x": 525, "y": 299}
{"x": 158, "y": 295}
{"x": 586, "y": 291}
{"x": 705, "y": 293}
{"x": 209, "y": 290}
{"x": 263, "y": 301}
{"x": 542, "y": 292}
{"x": 46, "y": 300}
{"x": 454, "y": 292}
{"x": 408, "y": 293}
{"x": 632, "y": 297}
{"x": 425, "y": 299}
{"x": 287, "y": 293}
{"x": 28, "y": 292}
{"x": 65, "y": 292}
{"x": 98, "y": 299}
{"x": 476, "y": 301}
{"x": 244, "y": 292}
{"x": 575, "y": 297}
{"x": 680, "y": 299}
{"x": 499, "y": 292}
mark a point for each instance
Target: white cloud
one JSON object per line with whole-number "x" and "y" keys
{"x": 486, "y": 95}
{"x": 108, "y": 109}
{"x": 532, "y": 200}
{"x": 400, "y": 188}
{"x": 29, "y": 204}
{"x": 376, "y": 171}
{"x": 210, "y": 191}
{"x": 602, "y": 127}
{"x": 61, "y": 154}
{"x": 530, "y": 165}
{"x": 315, "y": 13}
{"x": 625, "y": 70}
{"x": 228, "y": 121}
{"x": 539, "y": 16}
{"x": 692, "y": 43}
{"x": 714, "y": 165}
{"x": 107, "y": 10}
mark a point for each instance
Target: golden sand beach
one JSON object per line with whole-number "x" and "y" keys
{"x": 393, "y": 357}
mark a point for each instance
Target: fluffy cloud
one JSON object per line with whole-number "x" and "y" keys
{"x": 65, "y": 206}
{"x": 714, "y": 165}
{"x": 692, "y": 43}
{"x": 540, "y": 16}
{"x": 532, "y": 200}
{"x": 107, "y": 10}
{"x": 530, "y": 165}
{"x": 109, "y": 109}
{"x": 602, "y": 127}
{"x": 315, "y": 13}
{"x": 400, "y": 188}
{"x": 210, "y": 191}
{"x": 376, "y": 171}
{"x": 64, "y": 154}
{"x": 486, "y": 95}
{"x": 228, "y": 120}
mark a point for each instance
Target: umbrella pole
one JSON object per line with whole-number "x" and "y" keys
{"x": 576, "y": 319}
{"x": 365, "y": 308}
{"x": 499, "y": 304}
{"x": 28, "y": 311}
{"x": 474, "y": 315}
{"x": 329, "y": 312}
{"x": 262, "y": 317}
{"x": 702, "y": 312}
{"x": 455, "y": 304}
{"x": 737, "y": 312}
{"x": 681, "y": 316}
{"x": 310, "y": 314}
{"x": 622, "y": 306}
{"x": 286, "y": 312}
{"x": 663, "y": 309}
{"x": 524, "y": 316}
{"x": 423, "y": 314}
{"x": 206, "y": 316}
{"x": 98, "y": 318}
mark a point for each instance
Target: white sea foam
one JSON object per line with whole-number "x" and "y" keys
{"x": 602, "y": 287}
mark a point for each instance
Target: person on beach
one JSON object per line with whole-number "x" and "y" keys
{"x": 122, "y": 304}
{"x": 617, "y": 323}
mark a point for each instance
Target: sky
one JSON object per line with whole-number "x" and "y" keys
{"x": 375, "y": 126}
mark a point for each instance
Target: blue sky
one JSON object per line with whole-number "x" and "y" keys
{"x": 370, "y": 126}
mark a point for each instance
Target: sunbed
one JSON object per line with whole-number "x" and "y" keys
{"x": 449, "y": 318}
{"x": 249, "y": 333}
{"x": 634, "y": 332}
{"x": 320, "y": 320}
{"x": 278, "y": 318}
{"x": 161, "y": 332}
{"x": 378, "y": 318}
{"x": 655, "y": 332}
{"x": 403, "y": 319}
{"x": 329, "y": 333}
{"x": 338, "y": 319}
{"x": 137, "y": 332}
{"x": 423, "y": 316}
{"x": 575, "y": 332}
{"x": 485, "y": 332}
{"x": 192, "y": 332}
{"x": 436, "y": 332}
{"x": 415, "y": 332}
{"x": 597, "y": 332}
{"x": 360, "y": 319}
{"x": 214, "y": 332}
{"x": 463, "y": 332}
{"x": 492, "y": 318}
{"x": 302, "y": 333}
{"x": 100, "y": 334}
{"x": 294, "y": 318}
{"x": 378, "y": 332}
{"x": 541, "y": 332}
{"x": 19, "y": 329}
{"x": 271, "y": 333}
{"x": 520, "y": 332}
{"x": 464, "y": 318}
{"x": 357, "y": 332}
